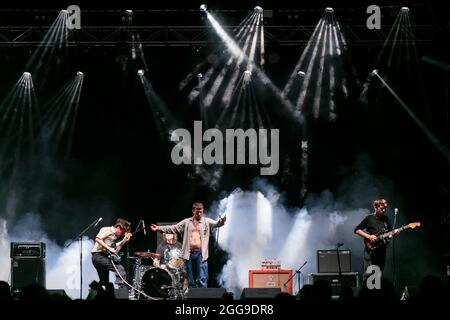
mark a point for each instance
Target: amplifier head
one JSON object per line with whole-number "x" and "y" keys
{"x": 23, "y": 250}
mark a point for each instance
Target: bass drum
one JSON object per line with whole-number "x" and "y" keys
{"x": 157, "y": 283}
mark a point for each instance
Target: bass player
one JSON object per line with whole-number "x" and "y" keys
{"x": 371, "y": 226}
{"x": 106, "y": 246}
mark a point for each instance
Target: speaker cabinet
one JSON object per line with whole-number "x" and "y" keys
{"x": 206, "y": 293}
{"x": 119, "y": 294}
{"x": 327, "y": 261}
{"x": 260, "y": 293}
{"x": 349, "y": 279}
{"x": 281, "y": 279}
{"x": 25, "y": 272}
{"x": 58, "y": 294}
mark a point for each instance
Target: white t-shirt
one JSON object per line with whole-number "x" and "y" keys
{"x": 108, "y": 235}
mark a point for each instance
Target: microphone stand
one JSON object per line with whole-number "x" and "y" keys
{"x": 297, "y": 272}
{"x": 339, "y": 268}
{"x": 127, "y": 263}
{"x": 393, "y": 253}
{"x": 80, "y": 238}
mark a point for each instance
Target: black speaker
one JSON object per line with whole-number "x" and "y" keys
{"x": 119, "y": 294}
{"x": 27, "y": 271}
{"x": 206, "y": 293}
{"x": 349, "y": 279}
{"x": 260, "y": 293}
{"x": 327, "y": 261}
{"x": 58, "y": 294}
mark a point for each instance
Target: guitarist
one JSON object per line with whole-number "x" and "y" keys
{"x": 106, "y": 240}
{"x": 372, "y": 225}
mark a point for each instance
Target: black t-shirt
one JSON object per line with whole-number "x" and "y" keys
{"x": 169, "y": 251}
{"x": 374, "y": 225}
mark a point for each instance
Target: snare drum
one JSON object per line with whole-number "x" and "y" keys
{"x": 176, "y": 263}
{"x": 173, "y": 258}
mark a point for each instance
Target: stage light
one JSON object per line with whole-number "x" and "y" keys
{"x": 140, "y": 72}
{"x": 65, "y": 11}
{"x": 301, "y": 74}
{"x": 258, "y": 9}
{"x": 80, "y": 74}
{"x": 27, "y": 75}
{"x": 203, "y": 7}
{"x": 374, "y": 72}
{"x": 199, "y": 76}
{"x": 329, "y": 10}
{"x": 129, "y": 12}
{"x": 404, "y": 9}
{"x": 247, "y": 76}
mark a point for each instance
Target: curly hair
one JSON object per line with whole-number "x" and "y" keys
{"x": 380, "y": 202}
{"x": 124, "y": 224}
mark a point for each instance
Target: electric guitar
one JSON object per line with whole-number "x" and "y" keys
{"x": 384, "y": 238}
{"x": 116, "y": 257}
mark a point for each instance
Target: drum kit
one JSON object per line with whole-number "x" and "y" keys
{"x": 165, "y": 282}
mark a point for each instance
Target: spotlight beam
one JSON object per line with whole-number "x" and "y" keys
{"x": 391, "y": 52}
{"x": 288, "y": 86}
{"x": 236, "y": 51}
{"x": 263, "y": 112}
{"x": 318, "y": 90}
{"x": 240, "y": 86}
{"x": 55, "y": 37}
{"x": 194, "y": 94}
{"x": 18, "y": 127}
{"x": 306, "y": 82}
{"x": 386, "y": 42}
{"x": 231, "y": 87}
{"x": 436, "y": 63}
{"x": 244, "y": 24}
{"x": 261, "y": 37}
{"x": 434, "y": 140}
{"x": 59, "y": 117}
{"x": 252, "y": 49}
{"x": 212, "y": 93}
{"x": 163, "y": 119}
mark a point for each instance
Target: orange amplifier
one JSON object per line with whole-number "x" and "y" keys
{"x": 271, "y": 279}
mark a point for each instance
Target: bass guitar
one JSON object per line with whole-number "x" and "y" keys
{"x": 384, "y": 238}
{"x": 116, "y": 257}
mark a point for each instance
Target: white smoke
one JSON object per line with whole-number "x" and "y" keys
{"x": 62, "y": 264}
{"x": 260, "y": 227}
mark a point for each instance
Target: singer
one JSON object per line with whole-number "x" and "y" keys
{"x": 369, "y": 228}
{"x": 105, "y": 242}
{"x": 196, "y": 232}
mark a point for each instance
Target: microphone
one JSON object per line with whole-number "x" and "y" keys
{"x": 395, "y": 211}
{"x": 340, "y": 245}
{"x": 143, "y": 225}
{"x": 98, "y": 220}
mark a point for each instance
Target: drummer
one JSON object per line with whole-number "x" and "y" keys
{"x": 169, "y": 250}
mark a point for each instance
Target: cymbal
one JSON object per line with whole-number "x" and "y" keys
{"x": 144, "y": 254}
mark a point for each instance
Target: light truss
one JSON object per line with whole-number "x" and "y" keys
{"x": 283, "y": 35}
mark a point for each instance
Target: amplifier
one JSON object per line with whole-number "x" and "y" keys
{"x": 271, "y": 279}
{"x": 24, "y": 250}
{"x": 327, "y": 261}
{"x": 25, "y": 272}
{"x": 349, "y": 279}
